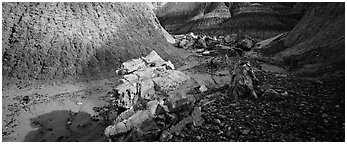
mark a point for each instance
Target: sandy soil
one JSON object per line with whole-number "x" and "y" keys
{"x": 57, "y": 112}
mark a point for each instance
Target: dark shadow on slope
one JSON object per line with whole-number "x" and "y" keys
{"x": 66, "y": 126}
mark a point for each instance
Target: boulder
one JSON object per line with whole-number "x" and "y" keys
{"x": 131, "y": 89}
{"x": 178, "y": 101}
{"x": 245, "y": 45}
{"x": 229, "y": 39}
{"x": 191, "y": 43}
{"x": 220, "y": 39}
{"x": 192, "y": 35}
{"x": 183, "y": 43}
{"x": 133, "y": 65}
{"x": 143, "y": 79}
{"x": 139, "y": 123}
{"x": 170, "y": 80}
{"x": 201, "y": 43}
{"x": 170, "y": 65}
{"x": 117, "y": 129}
{"x": 153, "y": 57}
{"x": 153, "y": 106}
{"x": 242, "y": 81}
{"x": 147, "y": 118}
{"x": 138, "y": 127}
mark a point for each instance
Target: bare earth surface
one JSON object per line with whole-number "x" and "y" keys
{"x": 44, "y": 113}
{"x": 309, "y": 108}
{"x": 89, "y": 41}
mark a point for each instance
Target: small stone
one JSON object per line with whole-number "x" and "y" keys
{"x": 270, "y": 93}
{"x": 324, "y": 115}
{"x": 245, "y": 131}
{"x": 69, "y": 123}
{"x": 221, "y": 124}
{"x": 285, "y": 94}
{"x": 220, "y": 116}
{"x": 79, "y": 103}
{"x": 215, "y": 128}
{"x": 198, "y": 137}
{"x": 177, "y": 133}
{"x": 220, "y": 132}
{"x": 182, "y": 135}
{"x": 318, "y": 81}
{"x": 217, "y": 121}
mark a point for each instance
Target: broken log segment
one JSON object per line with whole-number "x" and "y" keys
{"x": 242, "y": 81}
{"x": 138, "y": 94}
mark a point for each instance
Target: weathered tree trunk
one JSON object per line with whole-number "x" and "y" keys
{"x": 242, "y": 81}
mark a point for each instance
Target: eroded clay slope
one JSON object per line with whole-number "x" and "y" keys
{"x": 77, "y": 40}
{"x": 259, "y": 20}
{"x": 318, "y": 38}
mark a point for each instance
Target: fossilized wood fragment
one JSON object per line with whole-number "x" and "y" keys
{"x": 243, "y": 81}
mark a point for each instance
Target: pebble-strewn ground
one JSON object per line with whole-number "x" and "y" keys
{"x": 307, "y": 110}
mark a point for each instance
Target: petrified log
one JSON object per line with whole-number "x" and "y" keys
{"x": 145, "y": 113}
{"x": 243, "y": 80}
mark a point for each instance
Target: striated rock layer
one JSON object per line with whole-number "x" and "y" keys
{"x": 259, "y": 20}
{"x": 318, "y": 38}
{"x": 77, "y": 40}
{"x": 182, "y": 17}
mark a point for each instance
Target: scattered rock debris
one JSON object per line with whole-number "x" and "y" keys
{"x": 270, "y": 107}
{"x": 233, "y": 45}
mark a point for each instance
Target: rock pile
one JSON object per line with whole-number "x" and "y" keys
{"x": 149, "y": 108}
{"x": 232, "y": 45}
{"x": 155, "y": 101}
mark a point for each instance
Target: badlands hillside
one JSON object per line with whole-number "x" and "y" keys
{"x": 43, "y": 41}
{"x": 48, "y": 47}
{"x": 173, "y": 72}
